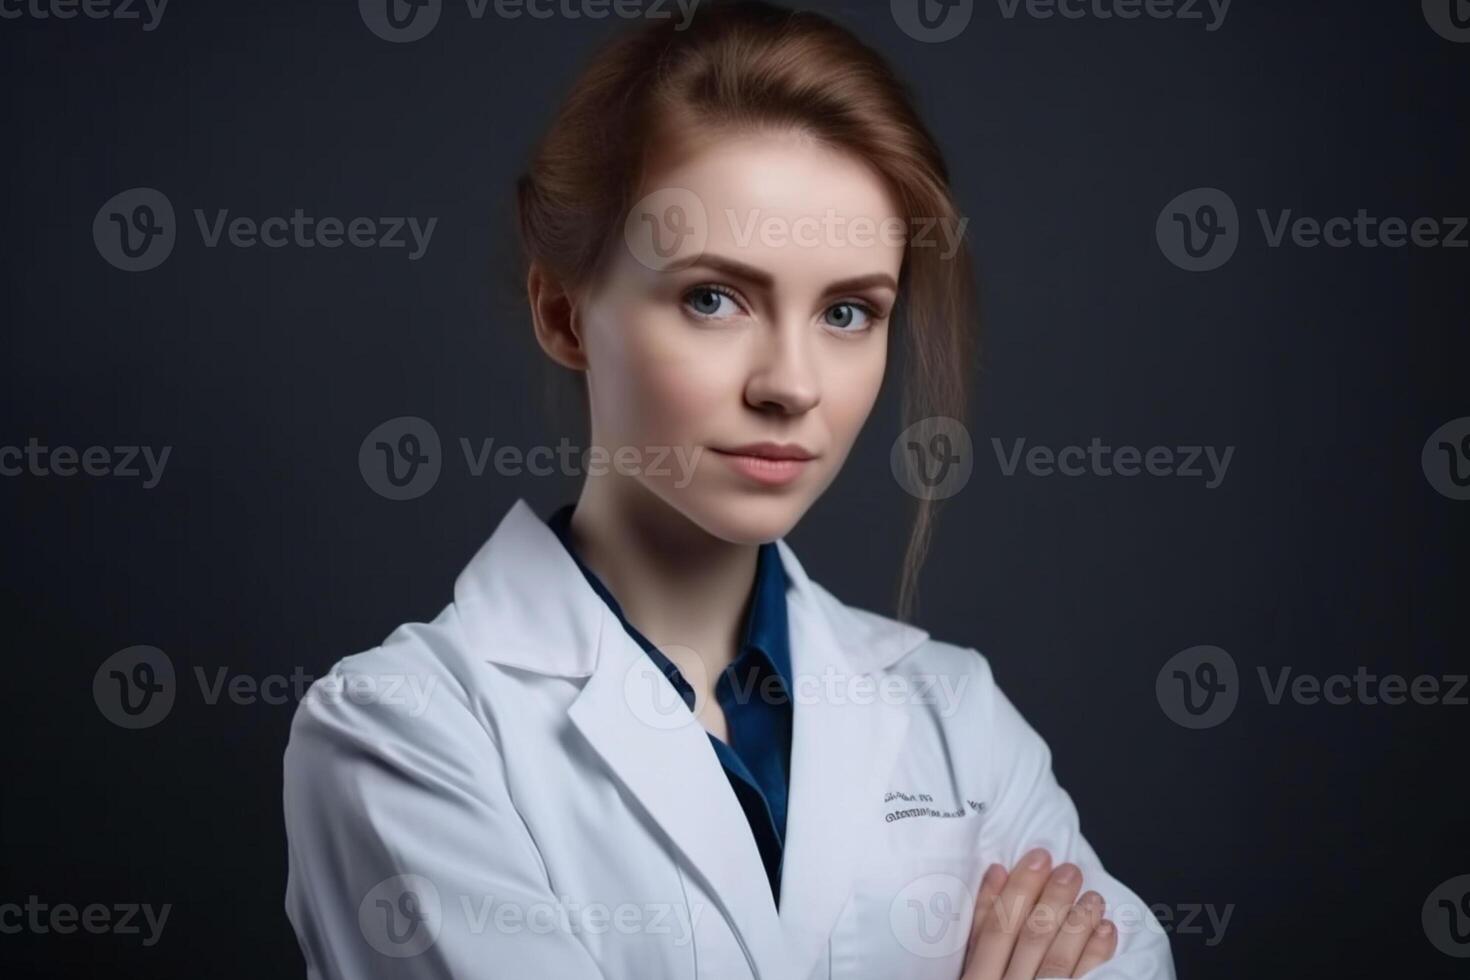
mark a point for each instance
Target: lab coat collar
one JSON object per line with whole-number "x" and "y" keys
{"x": 525, "y": 591}
{"x": 525, "y": 604}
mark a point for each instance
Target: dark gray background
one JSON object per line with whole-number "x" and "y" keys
{"x": 1322, "y": 828}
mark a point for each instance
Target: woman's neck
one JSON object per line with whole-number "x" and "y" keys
{"x": 684, "y": 589}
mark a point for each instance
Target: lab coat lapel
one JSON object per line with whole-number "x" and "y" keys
{"x": 526, "y": 601}
{"x": 651, "y": 742}
{"x": 525, "y": 604}
{"x": 845, "y": 741}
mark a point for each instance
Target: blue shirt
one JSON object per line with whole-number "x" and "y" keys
{"x": 754, "y": 691}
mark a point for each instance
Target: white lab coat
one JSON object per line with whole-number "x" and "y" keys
{"x": 513, "y": 791}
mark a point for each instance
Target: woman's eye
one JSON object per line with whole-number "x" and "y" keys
{"x": 709, "y": 302}
{"x": 848, "y": 316}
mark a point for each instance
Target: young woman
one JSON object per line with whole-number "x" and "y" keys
{"x": 648, "y": 745}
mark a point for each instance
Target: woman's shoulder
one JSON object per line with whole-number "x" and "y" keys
{"x": 390, "y": 727}
{"x": 955, "y": 684}
{"x": 413, "y": 687}
{"x": 903, "y": 648}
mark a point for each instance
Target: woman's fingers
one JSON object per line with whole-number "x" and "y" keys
{"x": 990, "y": 887}
{"x": 1066, "y": 947}
{"x": 1005, "y": 915}
{"x": 1040, "y": 926}
{"x": 1099, "y": 949}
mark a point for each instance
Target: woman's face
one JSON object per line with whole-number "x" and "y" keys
{"x": 759, "y": 314}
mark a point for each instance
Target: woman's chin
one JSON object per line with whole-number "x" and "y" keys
{"x": 744, "y": 516}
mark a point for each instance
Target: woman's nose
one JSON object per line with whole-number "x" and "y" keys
{"x": 783, "y": 374}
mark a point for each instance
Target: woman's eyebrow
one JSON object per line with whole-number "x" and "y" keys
{"x": 765, "y": 281}
{"x": 863, "y": 282}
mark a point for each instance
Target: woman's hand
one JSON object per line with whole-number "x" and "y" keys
{"x": 1027, "y": 926}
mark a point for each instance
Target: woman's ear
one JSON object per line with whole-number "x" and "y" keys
{"x": 554, "y": 317}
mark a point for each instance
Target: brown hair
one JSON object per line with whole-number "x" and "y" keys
{"x": 743, "y": 65}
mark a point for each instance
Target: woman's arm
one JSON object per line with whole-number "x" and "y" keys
{"x": 1030, "y": 810}
{"x": 404, "y": 844}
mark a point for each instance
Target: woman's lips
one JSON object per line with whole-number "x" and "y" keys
{"x": 763, "y": 469}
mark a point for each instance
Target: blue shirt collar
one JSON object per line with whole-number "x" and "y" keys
{"x": 766, "y": 627}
